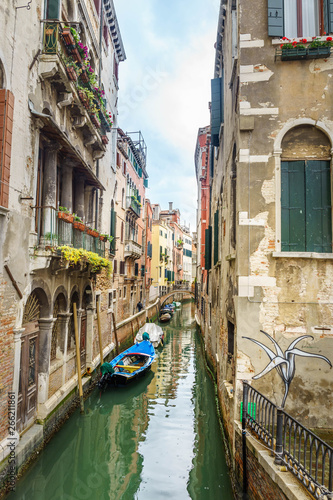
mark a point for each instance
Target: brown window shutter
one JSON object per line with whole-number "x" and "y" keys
{"x": 6, "y": 127}
{"x": 118, "y": 160}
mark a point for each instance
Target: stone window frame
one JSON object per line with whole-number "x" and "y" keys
{"x": 277, "y": 152}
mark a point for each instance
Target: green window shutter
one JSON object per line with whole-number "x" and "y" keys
{"x": 216, "y": 237}
{"x": 208, "y": 248}
{"x": 113, "y": 230}
{"x": 216, "y": 109}
{"x": 329, "y": 16}
{"x": 292, "y": 206}
{"x": 318, "y": 207}
{"x": 211, "y": 162}
{"x": 161, "y": 251}
{"x": 173, "y": 276}
{"x": 52, "y": 9}
{"x": 276, "y": 18}
{"x": 145, "y": 182}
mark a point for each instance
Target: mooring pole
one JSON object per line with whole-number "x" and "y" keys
{"x": 78, "y": 360}
{"x": 245, "y": 404}
{"x": 99, "y": 332}
{"x": 115, "y": 332}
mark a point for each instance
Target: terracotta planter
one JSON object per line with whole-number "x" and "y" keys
{"x": 105, "y": 140}
{"x": 68, "y": 37}
{"x": 66, "y": 217}
{"x": 103, "y": 238}
{"x": 71, "y": 73}
{"x": 93, "y": 233}
{"x": 79, "y": 225}
{"x": 84, "y": 76}
{"x": 95, "y": 121}
{"x": 76, "y": 55}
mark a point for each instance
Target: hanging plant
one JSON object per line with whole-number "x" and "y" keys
{"x": 75, "y": 255}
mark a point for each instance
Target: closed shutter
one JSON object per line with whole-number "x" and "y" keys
{"x": 52, "y": 9}
{"x": 6, "y": 126}
{"x": 136, "y": 269}
{"x": 113, "y": 230}
{"x": 216, "y": 109}
{"x": 145, "y": 182}
{"x": 216, "y": 237}
{"x": 275, "y": 18}
{"x": 292, "y": 206}
{"x": 318, "y": 207}
{"x": 208, "y": 248}
{"x": 330, "y": 16}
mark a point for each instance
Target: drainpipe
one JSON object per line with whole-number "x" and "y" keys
{"x": 99, "y": 83}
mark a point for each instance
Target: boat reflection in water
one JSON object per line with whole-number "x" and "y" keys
{"x": 157, "y": 438}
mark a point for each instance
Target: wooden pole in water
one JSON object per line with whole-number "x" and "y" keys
{"x": 78, "y": 360}
{"x": 132, "y": 330}
{"x": 115, "y": 332}
{"x": 99, "y": 332}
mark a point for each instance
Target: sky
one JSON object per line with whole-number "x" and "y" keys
{"x": 164, "y": 90}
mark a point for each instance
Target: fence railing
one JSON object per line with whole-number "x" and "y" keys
{"x": 54, "y": 232}
{"x": 307, "y": 456}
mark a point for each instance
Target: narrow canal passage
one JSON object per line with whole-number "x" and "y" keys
{"x": 156, "y": 439}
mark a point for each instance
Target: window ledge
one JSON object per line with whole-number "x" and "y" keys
{"x": 303, "y": 255}
{"x": 3, "y": 210}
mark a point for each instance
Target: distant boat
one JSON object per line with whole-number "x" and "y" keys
{"x": 155, "y": 332}
{"x": 177, "y": 304}
{"x": 128, "y": 365}
{"x": 165, "y": 317}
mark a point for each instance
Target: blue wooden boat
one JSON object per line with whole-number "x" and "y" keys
{"x": 128, "y": 365}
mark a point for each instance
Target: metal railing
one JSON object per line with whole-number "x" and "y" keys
{"x": 304, "y": 454}
{"x": 54, "y": 232}
{"x": 134, "y": 205}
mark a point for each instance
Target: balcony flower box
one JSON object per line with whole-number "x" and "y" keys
{"x": 68, "y": 37}
{"x": 103, "y": 238}
{"x": 79, "y": 226}
{"x": 93, "y": 233}
{"x": 318, "y": 52}
{"x": 84, "y": 99}
{"x": 105, "y": 140}
{"x": 95, "y": 120}
{"x": 71, "y": 73}
{"x": 293, "y": 54}
{"x": 76, "y": 55}
{"x": 66, "y": 217}
{"x": 84, "y": 77}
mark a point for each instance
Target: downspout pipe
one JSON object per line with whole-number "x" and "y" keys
{"x": 99, "y": 83}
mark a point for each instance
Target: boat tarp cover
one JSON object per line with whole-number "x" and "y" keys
{"x": 107, "y": 368}
{"x": 155, "y": 332}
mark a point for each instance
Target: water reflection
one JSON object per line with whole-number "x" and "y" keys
{"x": 158, "y": 438}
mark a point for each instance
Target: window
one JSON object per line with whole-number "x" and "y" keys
{"x": 297, "y": 18}
{"x": 6, "y": 116}
{"x": 231, "y": 340}
{"x": 124, "y": 292}
{"x": 306, "y": 224}
{"x": 306, "y": 206}
{"x": 115, "y": 265}
{"x": 217, "y": 109}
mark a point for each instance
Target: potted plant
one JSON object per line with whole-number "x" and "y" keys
{"x": 319, "y": 48}
{"x": 72, "y": 69}
{"x": 92, "y": 232}
{"x": 78, "y": 224}
{"x": 292, "y": 50}
{"x": 67, "y": 36}
{"x": 65, "y": 215}
{"x": 105, "y": 140}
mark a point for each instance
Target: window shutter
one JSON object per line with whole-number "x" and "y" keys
{"x": 216, "y": 109}
{"x": 208, "y": 248}
{"x": 292, "y": 206}
{"x": 53, "y": 9}
{"x": 328, "y": 22}
{"x": 318, "y": 207}
{"x": 6, "y": 126}
{"x": 216, "y": 237}
{"x": 276, "y": 18}
{"x": 113, "y": 230}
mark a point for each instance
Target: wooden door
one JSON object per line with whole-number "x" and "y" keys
{"x": 28, "y": 384}
{"x": 83, "y": 338}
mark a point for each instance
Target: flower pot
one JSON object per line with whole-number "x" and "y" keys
{"x": 68, "y": 37}
{"x": 103, "y": 238}
{"x": 293, "y": 54}
{"x": 93, "y": 233}
{"x": 105, "y": 140}
{"x": 66, "y": 217}
{"x": 95, "y": 121}
{"x": 84, "y": 77}
{"x": 79, "y": 225}
{"x": 76, "y": 55}
{"x": 71, "y": 73}
{"x": 318, "y": 52}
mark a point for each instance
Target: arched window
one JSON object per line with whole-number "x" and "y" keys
{"x": 306, "y": 223}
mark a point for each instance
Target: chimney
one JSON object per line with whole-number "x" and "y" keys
{"x": 170, "y": 206}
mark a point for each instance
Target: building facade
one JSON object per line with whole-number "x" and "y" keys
{"x": 58, "y": 93}
{"x": 269, "y": 261}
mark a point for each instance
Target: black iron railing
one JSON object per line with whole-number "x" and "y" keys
{"x": 307, "y": 456}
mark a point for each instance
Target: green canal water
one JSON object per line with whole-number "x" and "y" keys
{"x": 157, "y": 439}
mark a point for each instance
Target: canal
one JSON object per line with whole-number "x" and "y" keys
{"x": 159, "y": 438}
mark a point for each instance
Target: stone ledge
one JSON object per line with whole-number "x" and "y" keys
{"x": 303, "y": 255}
{"x": 286, "y": 481}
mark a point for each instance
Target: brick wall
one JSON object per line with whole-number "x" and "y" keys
{"x": 55, "y": 381}
{"x": 7, "y": 322}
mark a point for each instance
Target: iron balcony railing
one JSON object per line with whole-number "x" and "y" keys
{"x": 307, "y": 456}
{"x": 133, "y": 204}
{"x": 54, "y": 232}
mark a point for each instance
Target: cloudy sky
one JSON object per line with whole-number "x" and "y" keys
{"x": 165, "y": 89}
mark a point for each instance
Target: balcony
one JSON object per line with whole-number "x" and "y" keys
{"x": 53, "y": 232}
{"x": 132, "y": 249}
{"x": 134, "y": 205}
